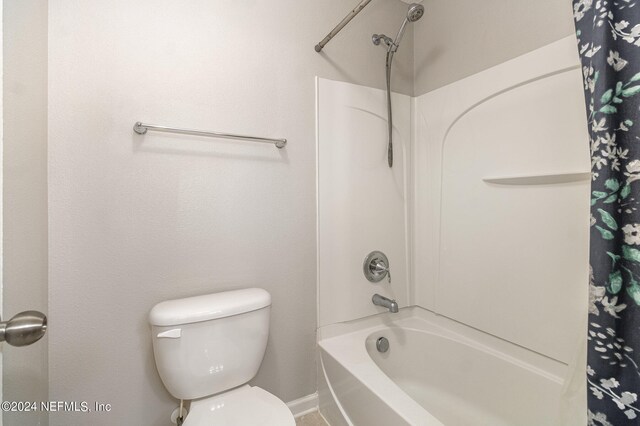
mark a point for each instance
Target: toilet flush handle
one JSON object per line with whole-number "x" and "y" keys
{"x": 170, "y": 334}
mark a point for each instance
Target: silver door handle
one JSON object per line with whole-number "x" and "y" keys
{"x": 24, "y": 328}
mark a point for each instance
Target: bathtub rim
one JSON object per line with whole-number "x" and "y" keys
{"x": 416, "y": 317}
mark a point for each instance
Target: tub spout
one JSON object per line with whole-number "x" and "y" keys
{"x": 390, "y": 304}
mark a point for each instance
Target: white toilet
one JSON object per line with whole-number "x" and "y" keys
{"x": 207, "y": 348}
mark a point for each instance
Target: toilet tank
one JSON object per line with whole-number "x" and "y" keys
{"x": 208, "y": 344}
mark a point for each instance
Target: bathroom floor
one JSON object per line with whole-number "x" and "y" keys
{"x": 311, "y": 419}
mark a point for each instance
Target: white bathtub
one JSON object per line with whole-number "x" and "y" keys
{"x": 436, "y": 372}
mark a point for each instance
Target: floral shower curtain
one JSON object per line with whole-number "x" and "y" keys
{"x": 608, "y": 33}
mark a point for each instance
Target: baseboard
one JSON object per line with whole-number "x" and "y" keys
{"x": 305, "y": 405}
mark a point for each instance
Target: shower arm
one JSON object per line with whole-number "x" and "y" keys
{"x": 342, "y": 24}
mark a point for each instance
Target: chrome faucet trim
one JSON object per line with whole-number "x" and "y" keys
{"x": 376, "y": 267}
{"x": 385, "y": 302}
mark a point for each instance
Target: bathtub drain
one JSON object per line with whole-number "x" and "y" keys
{"x": 382, "y": 344}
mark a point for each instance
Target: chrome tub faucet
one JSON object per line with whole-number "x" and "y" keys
{"x": 390, "y": 304}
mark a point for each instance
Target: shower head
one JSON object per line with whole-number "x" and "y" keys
{"x": 414, "y": 13}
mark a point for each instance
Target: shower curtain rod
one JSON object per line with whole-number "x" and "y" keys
{"x": 342, "y": 24}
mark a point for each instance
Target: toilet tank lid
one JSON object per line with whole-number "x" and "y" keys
{"x": 208, "y": 307}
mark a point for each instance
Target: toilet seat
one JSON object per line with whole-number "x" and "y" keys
{"x": 243, "y": 406}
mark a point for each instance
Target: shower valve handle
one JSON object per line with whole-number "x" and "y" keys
{"x": 376, "y": 267}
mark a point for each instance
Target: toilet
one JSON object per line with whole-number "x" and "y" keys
{"x": 207, "y": 348}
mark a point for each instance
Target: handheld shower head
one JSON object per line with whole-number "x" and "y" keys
{"x": 415, "y": 12}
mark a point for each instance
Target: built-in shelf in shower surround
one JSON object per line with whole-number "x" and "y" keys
{"x": 540, "y": 179}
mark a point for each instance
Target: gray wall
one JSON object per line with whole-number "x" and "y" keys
{"x": 458, "y": 38}
{"x": 137, "y": 220}
{"x": 25, "y": 196}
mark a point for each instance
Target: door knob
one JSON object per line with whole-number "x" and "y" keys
{"x": 24, "y": 328}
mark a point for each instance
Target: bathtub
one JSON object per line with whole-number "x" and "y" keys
{"x": 435, "y": 372}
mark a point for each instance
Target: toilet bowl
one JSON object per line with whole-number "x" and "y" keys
{"x": 247, "y": 405}
{"x": 207, "y": 348}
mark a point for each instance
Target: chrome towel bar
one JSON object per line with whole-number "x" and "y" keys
{"x": 141, "y": 129}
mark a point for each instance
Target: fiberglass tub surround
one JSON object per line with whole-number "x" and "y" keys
{"x": 492, "y": 172}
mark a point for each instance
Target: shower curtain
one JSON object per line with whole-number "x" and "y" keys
{"x": 608, "y": 33}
